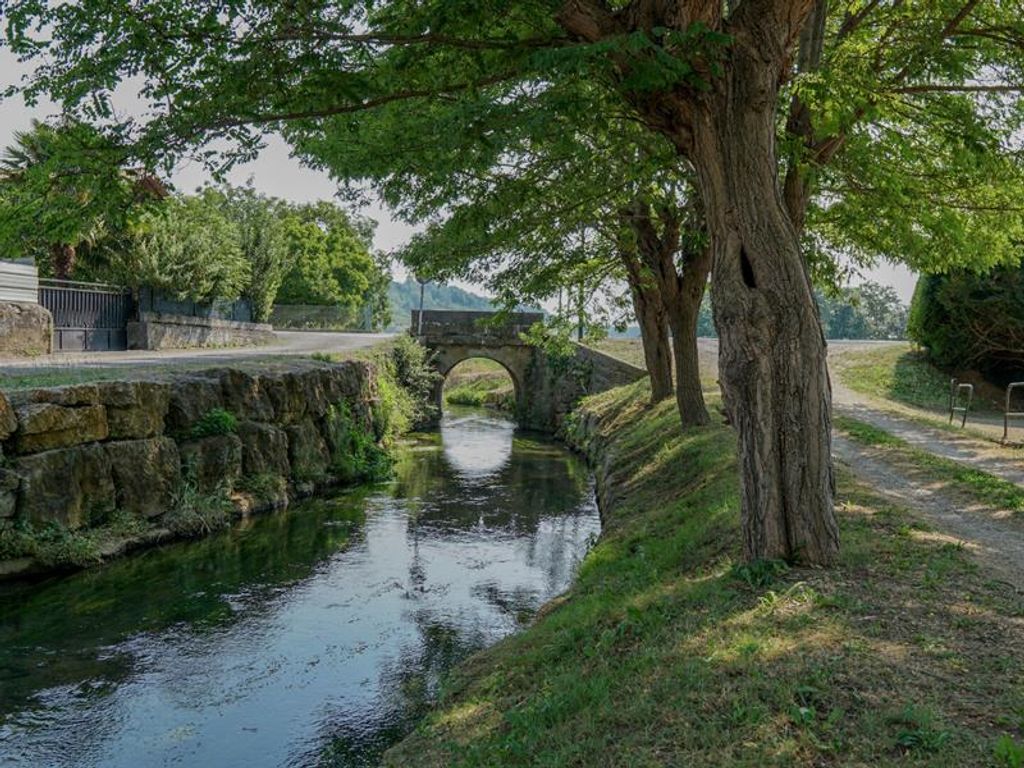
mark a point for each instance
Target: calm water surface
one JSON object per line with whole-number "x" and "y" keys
{"x": 316, "y": 636}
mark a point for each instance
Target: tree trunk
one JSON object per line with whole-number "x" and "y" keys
{"x": 772, "y": 350}
{"x": 651, "y": 317}
{"x": 683, "y": 313}
{"x": 63, "y": 260}
{"x": 681, "y": 296}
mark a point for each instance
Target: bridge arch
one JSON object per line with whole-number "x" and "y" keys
{"x": 446, "y": 359}
{"x": 546, "y": 388}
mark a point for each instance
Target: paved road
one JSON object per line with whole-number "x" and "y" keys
{"x": 289, "y": 343}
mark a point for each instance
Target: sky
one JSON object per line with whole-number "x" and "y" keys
{"x": 275, "y": 173}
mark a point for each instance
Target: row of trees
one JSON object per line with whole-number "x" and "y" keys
{"x": 68, "y": 201}
{"x": 756, "y": 140}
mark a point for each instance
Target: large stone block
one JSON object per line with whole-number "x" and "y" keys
{"x": 70, "y": 395}
{"x": 26, "y": 330}
{"x": 245, "y": 397}
{"x": 264, "y": 449}
{"x": 289, "y": 396}
{"x": 212, "y": 462}
{"x": 67, "y": 485}
{"x": 191, "y": 397}
{"x": 8, "y": 419}
{"x": 135, "y": 409}
{"x": 146, "y": 474}
{"x": 46, "y": 426}
{"x": 9, "y": 482}
{"x": 307, "y": 451}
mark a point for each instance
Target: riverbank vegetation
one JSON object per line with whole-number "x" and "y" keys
{"x": 669, "y": 650}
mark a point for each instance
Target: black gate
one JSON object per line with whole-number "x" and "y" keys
{"x": 87, "y": 316}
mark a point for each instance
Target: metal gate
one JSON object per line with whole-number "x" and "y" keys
{"x": 87, "y": 316}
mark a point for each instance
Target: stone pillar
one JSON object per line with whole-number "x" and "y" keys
{"x": 26, "y": 330}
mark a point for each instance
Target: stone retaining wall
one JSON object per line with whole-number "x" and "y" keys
{"x": 155, "y": 330}
{"x": 71, "y": 455}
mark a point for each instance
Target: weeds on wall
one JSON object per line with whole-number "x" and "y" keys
{"x": 215, "y": 421}
{"x": 194, "y": 513}
{"x": 355, "y": 454}
{"x": 56, "y": 545}
{"x": 405, "y": 389}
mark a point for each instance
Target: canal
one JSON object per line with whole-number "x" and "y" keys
{"x": 315, "y": 636}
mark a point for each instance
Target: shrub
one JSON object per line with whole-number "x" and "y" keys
{"x": 405, "y": 387}
{"x": 355, "y": 456}
{"x": 215, "y": 421}
{"x": 966, "y": 320}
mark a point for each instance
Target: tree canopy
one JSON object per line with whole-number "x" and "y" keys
{"x": 878, "y": 129}
{"x": 63, "y": 186}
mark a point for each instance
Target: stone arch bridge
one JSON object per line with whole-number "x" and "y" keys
{"x": 546, "y": 388}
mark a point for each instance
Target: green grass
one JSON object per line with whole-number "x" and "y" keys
{"x": 896, "y": 372}
{"x": 979, "y": 485}
{"x": 480, "y": 382}
{"x": 668, "y": 651}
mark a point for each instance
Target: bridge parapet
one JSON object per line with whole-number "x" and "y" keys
{"x": 441, "y": 326}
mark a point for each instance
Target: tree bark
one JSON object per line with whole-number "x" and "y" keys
{"x": 651, "y": 317}
{"x": 772, "y": 350}
{"x": 681, "y": 295}
{"x": 63, "y": 260}
{"x": 684, "y": 311}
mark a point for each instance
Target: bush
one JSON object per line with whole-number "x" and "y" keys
{"x": 189, "y": 249}
{"x": 406, "y": 388}
{"x": 969, "y": 321}
{"x": 215, "y": 421}
{"x": 355, "y": 456}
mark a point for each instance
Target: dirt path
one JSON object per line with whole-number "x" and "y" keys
{"x": 905, "y": 422}
{"x": 992, "y": 535}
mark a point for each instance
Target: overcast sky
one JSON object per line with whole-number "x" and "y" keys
{"x": 275, "y": 173}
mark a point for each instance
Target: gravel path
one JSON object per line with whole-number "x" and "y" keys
{"x": 996, "y": 540}
{"x": 289, "y": 343}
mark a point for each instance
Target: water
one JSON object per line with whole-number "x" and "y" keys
{"x": 315, "y": 636}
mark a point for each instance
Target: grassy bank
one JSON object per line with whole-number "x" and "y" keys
{"x": 668, "y": 651}
{"x": 903, "y": 375}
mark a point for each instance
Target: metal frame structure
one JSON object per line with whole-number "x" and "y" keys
{"x": 956, "y": 390}
{"x": 87, "y": 316}
{"x": 1007, "y": 413}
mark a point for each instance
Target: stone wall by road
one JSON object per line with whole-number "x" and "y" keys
{"x": 72, "y": 455}
{"x": 154, "y": 330}
{"x": 26, "y": 330}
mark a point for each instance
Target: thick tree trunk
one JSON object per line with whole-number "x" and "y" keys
{"x": 651, "y": 317}
{"x": 63, "y": 260}
{"x": 772, "y": 350}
